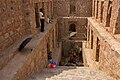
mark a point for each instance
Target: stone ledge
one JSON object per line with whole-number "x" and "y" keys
{"x": 104, "y": 35}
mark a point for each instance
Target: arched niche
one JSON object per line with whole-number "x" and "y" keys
{"x": 72, "y": 27}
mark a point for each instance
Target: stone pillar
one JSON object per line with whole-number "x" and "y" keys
{"x": 45, "y": 12}
{"x": 96, "y": 9}
{"x": 105, "y": 12}
{"x": 93, "y": 8}
{"x": 100, "y": 11}
{"x": 88, "y": 35}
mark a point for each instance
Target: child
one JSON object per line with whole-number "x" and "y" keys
{"x": 50, "y": 56}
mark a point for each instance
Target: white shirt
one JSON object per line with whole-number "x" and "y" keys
{"x": 41, "y": 15}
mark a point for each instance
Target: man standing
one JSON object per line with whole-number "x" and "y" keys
{"x": 41, "y": 15}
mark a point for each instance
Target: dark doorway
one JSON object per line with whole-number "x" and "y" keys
{"x": 37, "y": 16}
{"x": 72, "y": 8}
{"x": 108, "y": 17}
{"x": 97, "y": 50}
{"x": 97, "y": 10}
{"x": 102, "y": 7}
{"x": 72, "y": 28}
{"x": 91, "y": 39}
{"x": 109, "y": 14}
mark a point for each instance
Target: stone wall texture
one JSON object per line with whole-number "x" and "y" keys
{"x": 37, "y": 59}
{"x": 64, "y": 24}
{"x": 109, "y": 51}
{"x": 12, "y": 22}
{"x": 83, "y": 8}
{"x": 115, "y": 18}
{"x": 19, "y": 18}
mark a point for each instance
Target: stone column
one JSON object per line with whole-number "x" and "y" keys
{"x": 93, "y": 8}
{"x": 96, "y": 9}
{"x": 100, "y": 11}
{"x": 105, "y": 12}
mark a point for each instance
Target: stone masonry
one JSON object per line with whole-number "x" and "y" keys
{"x": 81, "y": 8}
{"x": 97, "y": 20}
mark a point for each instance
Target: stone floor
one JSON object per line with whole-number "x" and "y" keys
{"x": 69, "y": 73}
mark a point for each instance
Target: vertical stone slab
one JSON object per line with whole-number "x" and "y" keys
{"x": 93, "y": 8}
{"x": 105, "y": 12}
{"x": 100, "y": 11}
{"x": 96, "y": 9}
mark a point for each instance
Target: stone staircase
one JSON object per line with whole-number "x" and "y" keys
{"x": 70, "y": 73}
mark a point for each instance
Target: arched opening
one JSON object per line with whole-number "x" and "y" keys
{"x": 108, "y": 17}
{"x": 102, "y": 7}
{"x": 94, "y": 9}
{"x": 97, "y": 10}
{"x": 72, "y": 28}
{"x": 91, "y": 39}
{"x": 109, "y": 14}
{"x": 72, "y": 9}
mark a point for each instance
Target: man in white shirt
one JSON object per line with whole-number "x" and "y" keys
{"x": 41, "y": 15}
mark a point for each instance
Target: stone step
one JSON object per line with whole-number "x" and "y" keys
{"x": 70, "y": 73}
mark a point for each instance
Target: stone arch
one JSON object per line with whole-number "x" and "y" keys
{"x": 72, "y": 27}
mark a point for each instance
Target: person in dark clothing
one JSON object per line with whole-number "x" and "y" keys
{"x": 41, "y": 15}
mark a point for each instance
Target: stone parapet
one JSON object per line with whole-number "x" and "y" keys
{"x": 109, "y": 54}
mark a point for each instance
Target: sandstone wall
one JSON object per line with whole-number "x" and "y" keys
{"x": 110, "y": 61}
{"x": 18, "y": 19}
{"x": 83, "y": 8}
{"x": 115, "y": 18}
{"x": 64, "y": 23}
{"x": 109, "y": 51}
{"x": 37, "y": 60}
{"x": 12, "y": 22}
{"x": 107, "y": 13}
